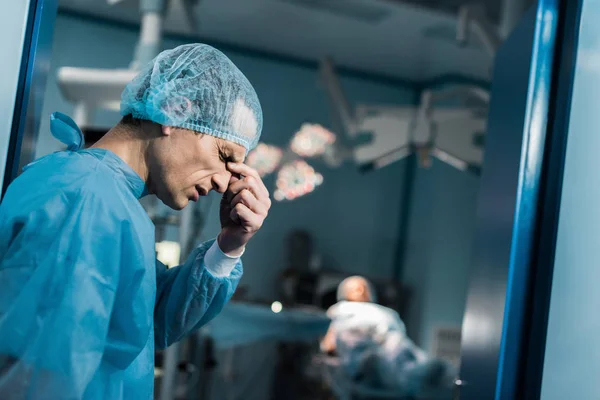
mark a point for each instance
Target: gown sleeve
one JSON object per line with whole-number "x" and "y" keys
{"x": 190, "y": 295}
{"x": 59, "y": 272}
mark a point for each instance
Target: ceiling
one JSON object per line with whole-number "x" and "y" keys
{"x": 387, "y": 37}
{"x": 451, "y": 7}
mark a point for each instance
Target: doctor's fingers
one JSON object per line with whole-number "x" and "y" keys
{"x": 248, "y": 198}
{"x": 255, "y": 185}
{"x": 250, "y": 221}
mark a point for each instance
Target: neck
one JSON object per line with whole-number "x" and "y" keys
{"x": 129, "y": 147}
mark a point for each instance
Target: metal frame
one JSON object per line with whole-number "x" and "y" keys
{"x": 14, "y": 21}
{"x": 522, "y": 349}
{"x": 406, "y": 207}
{"x": 531, "y": 180}
{"x": 35, "y": 67}
{"x": 538, "y": 303}
{"x": 514, "y": 204}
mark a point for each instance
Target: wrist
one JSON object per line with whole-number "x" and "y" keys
{"x": 230, "y": 249}
{"x": 218, "y": 263}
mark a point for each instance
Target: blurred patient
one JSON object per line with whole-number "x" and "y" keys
{"x": 371, "y": 343}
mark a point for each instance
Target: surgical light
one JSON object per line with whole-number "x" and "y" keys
{"x": 264, "y": 158}
{"x": 312, "y": 140}
{"x": 296, "y": 179}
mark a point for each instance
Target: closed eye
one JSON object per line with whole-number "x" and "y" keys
{"x": 225, "y": 158}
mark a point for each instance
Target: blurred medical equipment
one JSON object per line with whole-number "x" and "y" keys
{"x": 153, "y": 14}
{"x": 472, "y": 18}
{"x": 242, "y": 333}
{"x": 374, "y": 353}
{"x": 264, "y": 159}
{"x": 169, "y": 368}
{"x": 447, "y": 341}
{"x": 345, "y": 388}
{"x": 449, "y": 132}
{"x": 309, "y": 279}
{"x": 295, "y": 177}
{"x": 168, "y": 253}
{"x": 92, "y": 88}
{"x": 312, "y": 140}
{"x": 296, "y": 283}
{"x": 396, "y": 132}
{"x": 241, "y": 324}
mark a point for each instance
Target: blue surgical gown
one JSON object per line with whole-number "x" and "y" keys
{"x": 83, "y": 300}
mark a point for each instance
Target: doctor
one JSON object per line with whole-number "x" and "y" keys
{"x": 83, "y": 301}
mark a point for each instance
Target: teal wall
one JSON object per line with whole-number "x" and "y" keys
{"x": 438, "y": 257}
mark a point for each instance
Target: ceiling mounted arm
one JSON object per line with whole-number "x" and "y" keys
{"x": 153, "y": 14}
{"x": 472, "y": 18}
{"x": 512, "y": 11}
{"x": 462, "y": 92}
{"x": 189, "y": 8}
{"x": 337, "y": 96}
{"x": 424, "y": 131}
{"x": 456, "y": 162}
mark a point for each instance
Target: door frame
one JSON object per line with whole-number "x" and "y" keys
{"x": 31, "y": 87}
{"x": 531, "y": 366}
{"x": 526, "y": 277}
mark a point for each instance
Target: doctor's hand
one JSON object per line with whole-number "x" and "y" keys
{"x": 244, "y": 207}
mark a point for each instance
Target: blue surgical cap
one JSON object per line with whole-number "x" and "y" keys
{"x": 196, "y": 87}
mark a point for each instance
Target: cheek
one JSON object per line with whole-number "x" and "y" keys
{"x": 208, "y": 165}
{"x": 185, "y": 163}
{"x": 200, "y": 172}
{"x": 176, "y": 176}
{"x": 195, "y": 163}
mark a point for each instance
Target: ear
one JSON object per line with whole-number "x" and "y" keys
{"x": 166, "y": 130}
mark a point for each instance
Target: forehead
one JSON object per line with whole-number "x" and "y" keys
{"x": 356, "y": 283}
{"x": 235, "y": 151}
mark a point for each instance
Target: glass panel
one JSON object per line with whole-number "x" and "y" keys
{"x": 572, "y": 350}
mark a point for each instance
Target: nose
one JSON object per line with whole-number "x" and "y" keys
{"x": 220, "y": 181}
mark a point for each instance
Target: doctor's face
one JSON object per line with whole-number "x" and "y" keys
{"x": 190, "y": 165}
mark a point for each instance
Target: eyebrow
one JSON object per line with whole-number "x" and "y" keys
{"x": 237, "y": 158}
{"x": 228, "y": 156}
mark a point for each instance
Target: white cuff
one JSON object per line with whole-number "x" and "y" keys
{"x": 218, "y": 263}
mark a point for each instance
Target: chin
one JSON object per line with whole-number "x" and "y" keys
{"x": 179, "y": 207}
{"x": 180, "y": 204}
{"x": 176, "y": 204}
